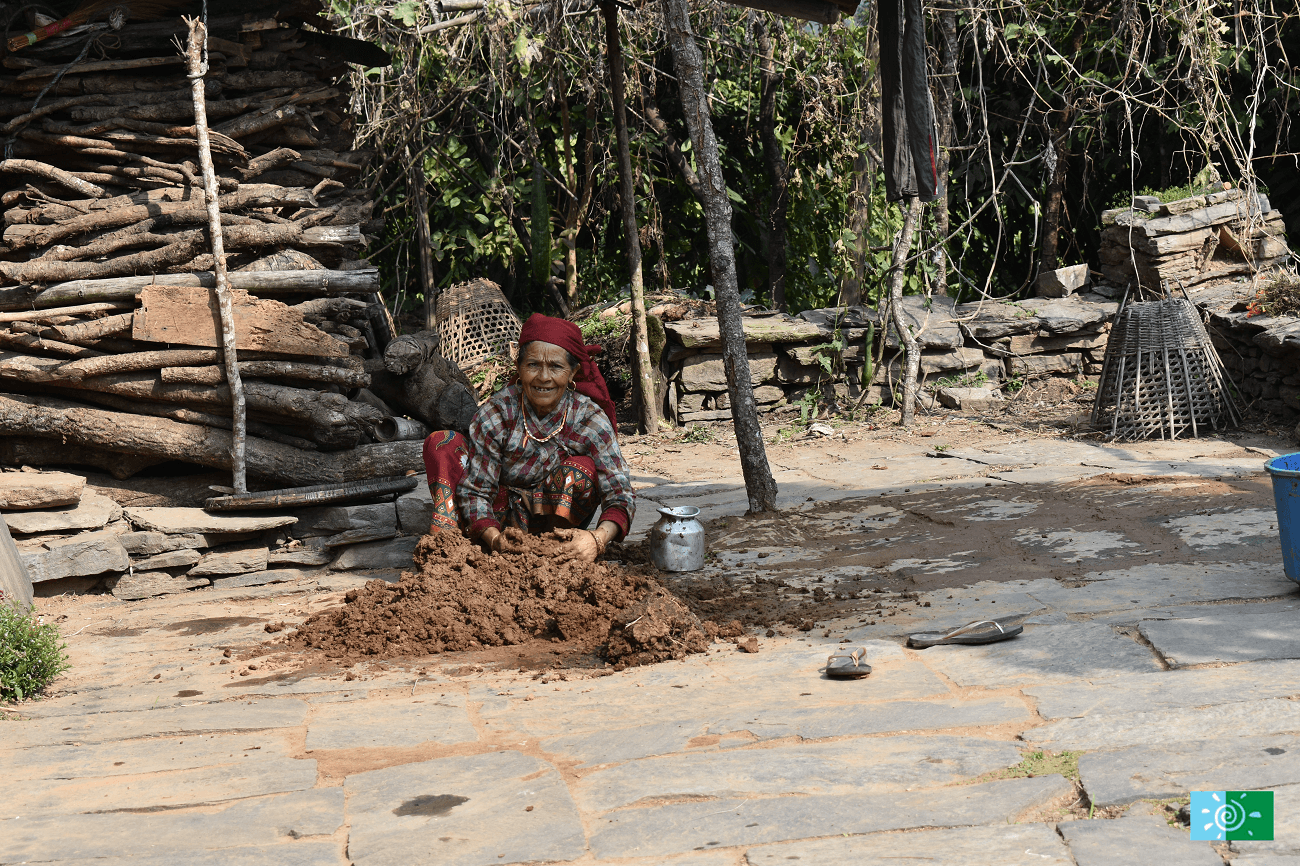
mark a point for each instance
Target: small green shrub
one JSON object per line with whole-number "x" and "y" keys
{"x": 30, "y": 653}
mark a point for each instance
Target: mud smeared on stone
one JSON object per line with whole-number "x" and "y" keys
{"x": 460, "y": 598}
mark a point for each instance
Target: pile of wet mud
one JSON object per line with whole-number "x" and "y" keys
{"x": 460, "y": 598}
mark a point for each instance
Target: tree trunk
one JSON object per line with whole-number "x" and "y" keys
{"x": 1049, "y": 256}
{"x": 897, "y": 272}
{"x": 627, "y": 193}
{"x": 73, "y": 423}
{"x": 420, "y": 207}
{"x": 577, "y": 212}
{"x": 778, "y": 169}
{"x": 689, "y": 65}
{"x": 946, "y": 89}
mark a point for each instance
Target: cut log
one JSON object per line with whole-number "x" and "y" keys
{"x": 49, "y": 172}
{"x": 408, "y": 352}
{"x": 188, "y": 317}
{"x": 192, "y": 375}
{"x": 359, "y": 282}
{"x": 32, "y": 451}
{"x": 46, "y": 315}
{"x": 109, "y": 219}
{"x": 170, "y": 440}
{"x": 106, "y": 365}
{"x": 191, "y": 416}
{"x": 40, "y": 344}
{"x": 186, "y": 246}
{"x": 96, "y": 329}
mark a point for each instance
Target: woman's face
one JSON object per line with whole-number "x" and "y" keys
{"x": 544, "y": 373}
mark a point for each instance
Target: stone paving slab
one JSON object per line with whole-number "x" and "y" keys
{"x": 409, "y": 722}
{"x": 1099, "y": 731}
{"x": 287, "y": 853}
{"x": 1230, "y": 637}
{"x": 174, "y": 834}
{"x": 143, "y": 756}
{"x": 1158, "y": 772}
{"x": 1014, "y": 845}
{"x": 1286, "y": 828}
{"x": 1157, "y": 583}
{"x": 683, "y": 827}
{"x": 1118, "y": 843}
{"x": 812, "y": 723}
{"x": 1264, "y": 860}
{"x": 238, "y": 778}
{"x": 1043, "y": 653}
{"x": 626, "y": 744}
{"x": 846, "y": 766}
{"x": 469, "y": 811}
{"x": 107, "y": 727}
{"x": 1256, "y": 527}
{"x": 1168, "y": 689}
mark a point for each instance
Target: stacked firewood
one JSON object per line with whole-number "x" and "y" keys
{"x": 1191, "y": 240}
{"x": 109, "y": 339}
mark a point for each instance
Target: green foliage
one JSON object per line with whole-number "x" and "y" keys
{"x": 974, "y": 380}
{"x": 698, "y": 434}
{"x": 30, "y": 653}
{"x": 1043, "y": 763}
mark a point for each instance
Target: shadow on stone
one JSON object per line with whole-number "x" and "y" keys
{"x": 430, "y": 805}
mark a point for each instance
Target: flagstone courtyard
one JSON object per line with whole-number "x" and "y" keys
{"x": 1162, "y": 654}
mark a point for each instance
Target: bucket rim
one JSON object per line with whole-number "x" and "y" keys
{"x": 1278, "y": 471}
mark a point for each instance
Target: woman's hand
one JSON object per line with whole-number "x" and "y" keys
{"x": 498, "y": 542}
{"x": 586, "y": 544}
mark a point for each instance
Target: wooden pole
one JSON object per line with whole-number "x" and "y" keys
{"x": 627, "y": 193}
{"x": 196, "y": 68}
{"x": 420, "y": 205}
{"x": 689, "y": 64}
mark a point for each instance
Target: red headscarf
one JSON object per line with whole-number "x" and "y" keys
{"x": 566, "y": 335}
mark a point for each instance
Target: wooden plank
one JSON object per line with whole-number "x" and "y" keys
{"x": 15, "y": 583}
{"x": 186, "y": 316}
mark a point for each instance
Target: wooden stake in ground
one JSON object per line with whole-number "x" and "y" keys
{"x": 627, "y": 193}
{"x": 912, "y": 365}
{"x": 196, "y": 68}
{"x": 759, "y": 484}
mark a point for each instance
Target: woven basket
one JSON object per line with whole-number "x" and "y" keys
{"x": 475, "y": 322}
{"x": 1162, "y": 377}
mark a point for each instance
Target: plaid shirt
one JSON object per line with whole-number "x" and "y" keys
{"x": 502, "y": 455}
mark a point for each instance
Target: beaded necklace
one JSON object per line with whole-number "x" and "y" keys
{"x": 564, "y": 419}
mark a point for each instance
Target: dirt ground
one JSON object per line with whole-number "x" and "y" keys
{"x": 821, "y": 566}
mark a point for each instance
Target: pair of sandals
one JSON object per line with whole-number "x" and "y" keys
{"x": 851, "y": 664}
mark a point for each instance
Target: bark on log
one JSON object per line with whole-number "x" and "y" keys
{"x": 689, "y": 65}
{"x": 331, "y": 307}
{"x": 269, "y": 161}
{"x": 107, "y": 365}
{"x": 191, "y": 416}
{"x": 40, "y": 344}
{"x": 410, "y": 351}
{"x": 191, "y": 375}
{"x": 212, "y": 375}
{"x": 188, "y": 245}
{"x": 49, "y": 172}
{"x": 31, "y": 451}
{"x": 46, "y": 315}
{"x": 359, "y": 282}
{"x": 170, "y": 440}
{"x": 100, "y": 220}
{"x": 96, "y": 329}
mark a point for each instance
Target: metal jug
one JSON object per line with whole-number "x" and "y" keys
{"x": 677, "y": 540}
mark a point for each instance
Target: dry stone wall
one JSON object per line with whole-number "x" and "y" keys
{"x": 825, "y": 351}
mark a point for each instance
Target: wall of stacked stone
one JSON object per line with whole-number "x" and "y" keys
{"x": 1260, "y": 353}
{"x": 1003, "y": 341}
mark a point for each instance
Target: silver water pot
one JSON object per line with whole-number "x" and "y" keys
{"x": 677, "y": 540}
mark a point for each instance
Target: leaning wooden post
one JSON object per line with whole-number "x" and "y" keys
{"x": 627, "y": 192}
{"x": 197, "y": 67}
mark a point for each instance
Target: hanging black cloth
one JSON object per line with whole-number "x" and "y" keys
{"x": 911, "y": 150}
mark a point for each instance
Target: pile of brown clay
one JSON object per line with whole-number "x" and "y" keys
{"x": 461, "y": 598}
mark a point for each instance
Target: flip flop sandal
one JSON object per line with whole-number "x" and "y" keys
{"x": 848, "y": 664}
{"x": 980, "y": 632}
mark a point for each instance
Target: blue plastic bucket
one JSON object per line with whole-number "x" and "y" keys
{"x": 1286, "y": 495}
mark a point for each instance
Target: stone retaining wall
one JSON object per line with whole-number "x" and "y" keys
{"x": 1261, "y": 353}
{"x": 789, "y": 356}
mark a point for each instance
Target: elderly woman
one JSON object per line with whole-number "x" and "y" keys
{"x": 541, "y": 454}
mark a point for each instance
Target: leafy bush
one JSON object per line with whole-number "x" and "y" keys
{"x": 30, "y": 653}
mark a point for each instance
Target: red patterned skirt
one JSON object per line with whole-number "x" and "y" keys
{"x": 568, "y": 497}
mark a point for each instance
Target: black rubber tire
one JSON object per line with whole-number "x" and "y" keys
{"x": 321, "y": 494}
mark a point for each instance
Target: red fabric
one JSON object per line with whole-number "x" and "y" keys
{"x": 570, "y": 493}
{"x": 567, "y": 336}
